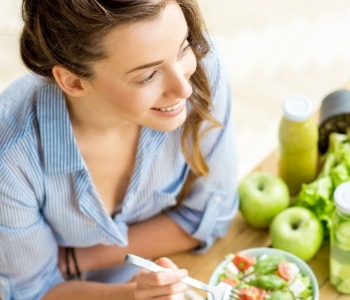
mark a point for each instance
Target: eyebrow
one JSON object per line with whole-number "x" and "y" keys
{"x": 152, "y": 64}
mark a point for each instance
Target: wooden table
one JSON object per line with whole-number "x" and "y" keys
{"x": 241, "y": 236}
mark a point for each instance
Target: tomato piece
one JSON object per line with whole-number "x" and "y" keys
{"x": 251, "y": 293}
{"x": 284, "y": 270}
{"x": 262, "y": 294}
{"x": 243, "y": 261}
{"x": 231, "y": 281}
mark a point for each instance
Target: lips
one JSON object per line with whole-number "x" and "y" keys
{"x": 169, "y": 108}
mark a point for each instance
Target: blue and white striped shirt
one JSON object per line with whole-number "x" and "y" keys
{"x": 47, "y": 197}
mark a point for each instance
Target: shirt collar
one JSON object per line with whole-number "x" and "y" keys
{"x": 60, "y": 150}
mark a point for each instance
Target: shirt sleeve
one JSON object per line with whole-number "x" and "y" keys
{"x": 211, "y": 205}
{"x": 28, "y": 250}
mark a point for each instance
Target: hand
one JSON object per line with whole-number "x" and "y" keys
{"x": 161, "y": 285}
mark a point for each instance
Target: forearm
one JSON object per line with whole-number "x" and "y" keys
{"x": 156, "y": 237}
{"x": 72, "y": 290}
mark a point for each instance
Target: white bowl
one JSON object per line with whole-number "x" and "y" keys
{"x": 303, "y": 266}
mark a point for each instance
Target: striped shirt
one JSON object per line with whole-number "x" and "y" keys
{"x": 48, "y": 199}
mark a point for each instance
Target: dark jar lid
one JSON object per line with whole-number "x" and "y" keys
{"x": 334, "y": 116}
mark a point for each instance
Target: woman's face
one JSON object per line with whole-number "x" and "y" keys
{"x": 145, "y": 79}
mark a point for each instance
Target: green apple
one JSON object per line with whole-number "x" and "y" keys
{"x": 262, "y": 196}
{"x": 298, "y": 231}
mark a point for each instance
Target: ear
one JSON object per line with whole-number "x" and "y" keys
{"x": 69, "y": 82}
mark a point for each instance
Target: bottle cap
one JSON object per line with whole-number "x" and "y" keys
{"x": 298, "y": 109}
{"x": 342, "y": 197}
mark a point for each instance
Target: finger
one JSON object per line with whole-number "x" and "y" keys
{"x": 167, "y": 263}
{"x": 171, "y": 291}
{"x": 145, "y": 277}
{"x": 180, "y": 296}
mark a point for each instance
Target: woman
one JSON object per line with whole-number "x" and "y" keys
{"x": 119, "y": 141}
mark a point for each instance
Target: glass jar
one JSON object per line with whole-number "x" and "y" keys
{"x": 334, "y": 116}
{"x": 298, "y": 149}
{"x": 340, "y": 240}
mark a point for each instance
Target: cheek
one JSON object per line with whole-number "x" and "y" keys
{"x": 128, "y": 99}
{"x": 121, "y": 97}
{"x": 191, "y": 64}
{"x": 137, "y": 100}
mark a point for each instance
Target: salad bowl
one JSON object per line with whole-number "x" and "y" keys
{"x": 301, "y": 267}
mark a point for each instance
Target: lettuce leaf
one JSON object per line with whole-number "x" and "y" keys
{"x": 335, "y": 169}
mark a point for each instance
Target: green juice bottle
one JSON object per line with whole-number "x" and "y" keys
{"x": 298, "y": 137}
{"x": 340, "y": 240}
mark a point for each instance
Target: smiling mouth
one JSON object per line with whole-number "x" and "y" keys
{"x": 169, "y": 108}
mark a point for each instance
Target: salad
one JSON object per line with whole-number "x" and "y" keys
{"x": 318, "y": 195}
{"x": 265, "y": 277}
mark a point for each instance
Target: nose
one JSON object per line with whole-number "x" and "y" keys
{"x": 178, "y": 85}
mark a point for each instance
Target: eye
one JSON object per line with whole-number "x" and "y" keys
{"x": 148, "y": 79}
{"x": 184, "y": 50}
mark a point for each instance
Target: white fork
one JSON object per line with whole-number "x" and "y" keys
{"x": 220, "y": 292}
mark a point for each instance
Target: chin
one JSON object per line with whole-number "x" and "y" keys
{"x": 168, "y": 127}
{"x": 168, "y": 124}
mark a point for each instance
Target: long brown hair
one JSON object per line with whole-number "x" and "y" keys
{"x": 70, "y": 33}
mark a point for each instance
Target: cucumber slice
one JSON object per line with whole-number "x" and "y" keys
{"x": 342, "y": 236}
{"x": 344, "y": 286}
{"x": 336, "y": 267}
{"x": 344, "y": 273}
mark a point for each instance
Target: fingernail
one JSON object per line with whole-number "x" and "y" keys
{"x": 183, "y": 272}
